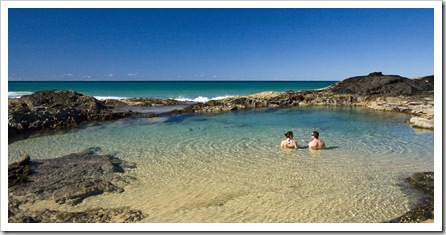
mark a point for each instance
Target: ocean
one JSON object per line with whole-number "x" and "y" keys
{"x": 198, "y": 91}
{"x": 228, "y": 167}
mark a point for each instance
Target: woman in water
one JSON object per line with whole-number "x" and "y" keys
{"x": 289, "y": 142}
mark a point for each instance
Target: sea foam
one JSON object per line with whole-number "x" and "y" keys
{"x": 18, "y": 94}
{"x": 201, "y": 99}
{"x": 109, "y": 97}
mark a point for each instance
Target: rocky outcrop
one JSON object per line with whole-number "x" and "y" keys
{"x": 375, "y": 91}
{"x": 66, "y": 180}
{"x": 55, "y": 109}
{"x": 383, "y": 85}
{"x": 147, "y": 102}
{"x": 63, "y": 109}
{"x": 425, "y": 210}
{"x": 422, "y": 123}
{"x": 152, "y": 102}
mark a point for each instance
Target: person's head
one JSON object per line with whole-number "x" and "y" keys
{"x": 289, "y": 134}
{"x": 315, "y": 134}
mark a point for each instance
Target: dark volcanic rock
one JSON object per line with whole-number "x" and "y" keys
{"x": 384, "y": 85}
{"x": 425, "y": 210}
{"x": 53, "y": 99}
{"x": 55, "y": 109}
{"x": 98, "y": 215}
{"x": 19, "y": 171}
{"x": 66, "y": 180}
{"x": 423, "y": 182}
{"x": 151, "y": 102}
{"x": 375, "y": 91}
{"x": 71, "y": 178}
{"x": 112, "y": 103}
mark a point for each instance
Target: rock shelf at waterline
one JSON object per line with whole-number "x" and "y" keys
{"x": 375, "y": 91}
{"x": 62, "y": 109}
{"x": 68, "y": 180}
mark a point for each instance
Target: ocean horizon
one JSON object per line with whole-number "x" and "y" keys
{"x": 195, "y": 91}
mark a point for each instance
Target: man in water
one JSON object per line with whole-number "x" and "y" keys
{"x": 289, "y": 142}
{"x": 316, "y": 143}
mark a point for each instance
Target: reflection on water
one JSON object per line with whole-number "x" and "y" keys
{"x": 229, "y": 167}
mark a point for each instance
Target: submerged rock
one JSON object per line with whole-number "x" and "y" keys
{"x": 425, "y": 210}
{"x": 66, "y": 180}
{"x": 97, "y": 215}
{"x": 71, "y": 178}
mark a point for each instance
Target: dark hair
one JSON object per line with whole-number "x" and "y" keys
{"x": 289, "y": 134}
{"x": 316, "y": 134}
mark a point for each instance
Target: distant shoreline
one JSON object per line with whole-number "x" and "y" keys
{"x": 375, "y": 91}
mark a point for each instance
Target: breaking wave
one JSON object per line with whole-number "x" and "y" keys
{"x": 109, "y": 97}
{"x": 202, "y": 99}
{"x": 18, "y": 94}
{"x": 199, "y": 99}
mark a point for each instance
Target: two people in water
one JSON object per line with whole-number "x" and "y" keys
{"x": 314, "y": 144}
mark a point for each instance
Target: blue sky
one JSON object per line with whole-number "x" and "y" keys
{"x": 218, "y": 44}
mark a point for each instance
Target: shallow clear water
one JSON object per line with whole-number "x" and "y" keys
{"x": 229, "y": 168}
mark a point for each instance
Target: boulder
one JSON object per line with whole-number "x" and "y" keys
{"x": 419, "y": 122}
{"x": 55, "y": 99}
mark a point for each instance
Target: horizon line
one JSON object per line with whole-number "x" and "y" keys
{"x": 173, "y": 80}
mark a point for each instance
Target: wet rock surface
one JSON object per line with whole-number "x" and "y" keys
{"x": 19, "y": 171}
{"x": 425, "y": 211}
{"x": 98, "y": 215}
{"x": 67, "y": 180}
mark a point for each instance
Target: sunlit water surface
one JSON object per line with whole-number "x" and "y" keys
{"x": 229, "y": 168}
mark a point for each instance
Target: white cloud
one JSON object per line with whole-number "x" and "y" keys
{"x": 109, "y": 75}
{"x": 133, "y": 74}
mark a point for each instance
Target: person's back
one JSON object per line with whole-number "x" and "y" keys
{"x": 316, "y": 143}
{"x": 289, "y": 142}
